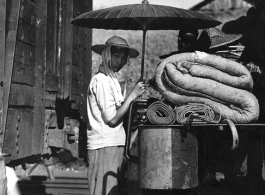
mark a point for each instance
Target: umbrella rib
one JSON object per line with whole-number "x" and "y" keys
{"x": 107, "y": 9}
{"x": 144, "y": 9}
{"x": 119, "y": 13}
{"x": 180, "y": 10}
{"x": 134, "y": 9}
{"x": 154, "y": 9}
{"x": 112, "y": 10}
{"x": 160, "y": 7}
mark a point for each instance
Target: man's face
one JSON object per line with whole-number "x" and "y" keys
{"x": 186, "y": 40}
{"x": 119, "y": 58}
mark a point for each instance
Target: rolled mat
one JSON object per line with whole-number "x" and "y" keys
{"x": 201, "y": 113}
{"x": 160, "y": 113}
{"x": 220, "y": 83}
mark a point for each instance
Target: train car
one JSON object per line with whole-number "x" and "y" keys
{"x": 45, "y": 69}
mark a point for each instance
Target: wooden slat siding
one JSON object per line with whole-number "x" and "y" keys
{"x": 23, "y": 74}
{"x": 75, "y": 35}
{"x": 75, "y": 51}
{"x": 75, "y": 73}
{"x": 9, "y": 53}
{"x": 75, "y": 87}
{"x": 76, "y": 105}
{"x": 39, "y": 88}
{"x": 24, "y": 62}
{"x": 50, "y": 100}
{"x": 2, "y": 64}
{"x": 21, "y": 95}
{"x": 83, "y": 44}
{"x": 25, "y": 54}
{"x": 87, "y": 69}
{"x": 78, "y": 84}
{"x": 19, "y": 122}
{"x": 25, "y": 123}
{"x": 68, "y": 42}
{"x": 11, "y": 136}
{"x": 52, "y": 119}
{"x": 51, "y": 83}
{"x": 52, "y": 19}
{"x": 26, "y": 33}
{"x": 59, "y": 61}
{"x": 28, "y": 12}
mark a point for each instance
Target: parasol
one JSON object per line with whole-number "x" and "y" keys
{"x": 144, "y": 17}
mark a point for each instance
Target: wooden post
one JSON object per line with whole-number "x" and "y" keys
{"x": 3, "y": 188}
{"x": 9, "y": 56}
{"x": 68, "y": 47}
{"x": 40, "y": 79}
{"x": 2, "y": 65}
{"x": 3, "y": 180}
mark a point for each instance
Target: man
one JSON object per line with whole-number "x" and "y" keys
{"x": 185, "y": 39}
{"x": 252, "y": 26}
{"x": 3, "y": 179}
{"x": 106, "y": 108}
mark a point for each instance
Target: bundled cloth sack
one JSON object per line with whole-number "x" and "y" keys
{"x": 220, "y": 83}
{"x": 201, "y": 113}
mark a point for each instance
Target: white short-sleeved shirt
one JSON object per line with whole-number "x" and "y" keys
{"x": 12, "y": 180}
{"x": 101, "y": 108}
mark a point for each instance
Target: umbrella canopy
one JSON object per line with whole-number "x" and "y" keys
{"x": 144, "y": 17}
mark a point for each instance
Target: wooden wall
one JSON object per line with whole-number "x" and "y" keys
{"x": 49, "y": 72}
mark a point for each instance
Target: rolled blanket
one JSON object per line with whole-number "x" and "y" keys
{"x": 217, "y": 82}
{"x": 160, "y": 113}
{"x": 203, "y": 113}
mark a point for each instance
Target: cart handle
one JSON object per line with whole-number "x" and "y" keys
{"x": 128, "y": 154}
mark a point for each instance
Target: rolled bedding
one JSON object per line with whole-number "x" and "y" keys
{"x": 201, "y": 113}
{"x": 160, "y": 113}
{"x": 220, "y": 83}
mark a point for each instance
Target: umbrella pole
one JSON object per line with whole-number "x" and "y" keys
{"x": 143, "y": 55}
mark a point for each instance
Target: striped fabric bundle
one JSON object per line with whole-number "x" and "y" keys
{"x": 201, "y": 113}
{"x": 160, "y": 113}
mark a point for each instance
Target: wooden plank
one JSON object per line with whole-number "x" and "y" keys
{"x": 21, "y": 95}
{"x": 68, "y": 40}
{"x": 40, "y": 79}
{"x": 84, "y": 43}
{"x": 52, "y": 25}
{"x": 24, "y": 54}
{"x": 76, "y": 102}
{"x": 28, "y": 13}
{"x": 50, "y": 99}
{"x": 10, "y": 52}
{"x": 26, "y": 33}
{"x": 23, "y": 74}
{"x": 75, "y": 37}
{"x": 87, "y": 68}
{"x": 75, "y": 73}
{"x": 75, "y": 87}
{"x": 51, "y": 83}
{"x": 2, "y": 63}
{"x": 25, "y": 129}
{"x": 52, "y": 118}
{"x": 60, "y": 44}
{"x": 75, "y": 54}
{"x": 18, "y": 136}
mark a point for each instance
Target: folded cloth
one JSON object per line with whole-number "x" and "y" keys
{"x": 201, "y": 113}
{"x": 160, "y": 113}
{"x": 220, "y": 83}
